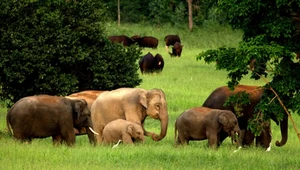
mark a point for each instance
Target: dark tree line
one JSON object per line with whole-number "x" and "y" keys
{"x": 158, "y": 12}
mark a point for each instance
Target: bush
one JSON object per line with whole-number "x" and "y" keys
{"x": 58, "y": 47}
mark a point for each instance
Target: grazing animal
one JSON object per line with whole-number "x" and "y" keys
{"x": 171, "y": 40}
{"x": 176, "y": 50}
{"x": 146, "y": 41}
{"x": 120, "y": 129}
{"x": 204, "y": 123}
{"x": 220, "y": 95}
{"x": 150, "y": 63}
{"x": 89, "y": 96}
{"x": 132, "y": 104}
{"x": 43, "y": 116}
{"x": 126, "y": 41}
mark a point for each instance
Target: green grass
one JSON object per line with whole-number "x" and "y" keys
{"x": 186, "y": 82}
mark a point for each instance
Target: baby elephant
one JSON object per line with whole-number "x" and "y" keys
{"x": 120, "y": 129}
{"x": 204, "y": 123}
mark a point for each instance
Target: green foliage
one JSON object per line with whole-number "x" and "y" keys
{"x": 58, "y": 47}
{"x": 271, "y": 39}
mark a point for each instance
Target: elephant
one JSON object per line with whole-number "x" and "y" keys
{"x": 149, "y": 64}
{"x": 89, "y": 96}
{"x": 126, "y": 131}
{"x": 201, "y": 123}
{"x": 146, "y": 41}
{"x": 43, "y": 116}
{"x": 125, "y": 40}
{"x": 219, "y": 96}
{"x": 176, "y": 50}
{"x": 171, "y": 40}
{"x": 132, "y": 104}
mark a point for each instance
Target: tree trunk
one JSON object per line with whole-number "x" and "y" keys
{"x": 190, "y": 2}
{"x": 119, "y": 13}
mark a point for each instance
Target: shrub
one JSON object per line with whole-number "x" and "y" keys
{"x": 58, "y": 47}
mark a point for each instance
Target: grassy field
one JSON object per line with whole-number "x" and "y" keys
{"x": 186, "y": 82}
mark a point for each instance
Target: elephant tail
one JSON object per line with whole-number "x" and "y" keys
{"x": 8, "y": 124}
{"x": 175, "y": 131}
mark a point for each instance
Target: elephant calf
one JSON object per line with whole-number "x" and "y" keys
{"x": 204, "y": 123}
{"x": 124, "y": 130}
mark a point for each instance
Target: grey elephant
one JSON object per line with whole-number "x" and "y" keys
{"x": 126, "y": 131}
{"x": 204, "y": 123}
{"x": 43, "y": 116}
{"x": 132, "y": 104}
{"x": 89, "y": 96}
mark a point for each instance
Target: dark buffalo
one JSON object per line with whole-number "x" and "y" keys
{"x": 146, "y": 41}
{"x": 150, "y": 63}
{"x": 126, "y": 41}
{"x": 176, "y": 50}
{"x": 171, "y": 40}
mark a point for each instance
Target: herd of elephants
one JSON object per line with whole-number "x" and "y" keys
{"x": 108, "y": 117}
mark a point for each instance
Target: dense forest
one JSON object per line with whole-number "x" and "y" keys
{"x": 158, "y": 12}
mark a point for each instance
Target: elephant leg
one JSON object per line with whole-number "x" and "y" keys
{"x": 223, "y": 136}
{"x": 99, "y": 137}
{"x": 212, "y": 140}
{"x": 127, "y": 139}
{"x": 57, "y": 140}
{"x": 68, "y": 135}
{"x": 248, "y": 138}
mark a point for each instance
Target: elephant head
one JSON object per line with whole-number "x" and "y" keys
{"x": 136, "y": 131}
{"x": 230, "y": 125}
{"x": 154, "y": 102}
{"x": 82, "y": 118}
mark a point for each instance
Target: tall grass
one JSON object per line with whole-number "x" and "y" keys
{"x": 186, "y": 82}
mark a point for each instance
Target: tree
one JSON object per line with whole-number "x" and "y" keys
{"x": 190, "y": 9}
{"x": 270, "y": 43}
{"x": 58, "y": 47}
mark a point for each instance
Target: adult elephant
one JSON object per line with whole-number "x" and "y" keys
{"x": 146, "y": 41}
{"x": 125, "y": 40}
{"x": 150, "y": 63}
{"x": 132, "y": 104}
{"x": 220, "y": 95}
{"x": 89, "y": 96}
{"x": 170, "y": 40}
{"x": 43, "y": 116}
{"x": 176, "y": 50}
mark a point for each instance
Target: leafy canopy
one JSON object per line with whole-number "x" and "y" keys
{"x": 58, "y": 47}
{"x": 270, "y": 43}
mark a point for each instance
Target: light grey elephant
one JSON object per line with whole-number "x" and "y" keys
{"x": 204, "y": 123}
{"x": 126, "y": 131}
{"x": 132, "y": 104}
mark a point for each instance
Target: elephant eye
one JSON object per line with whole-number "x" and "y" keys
{"x": 157, "y": 106}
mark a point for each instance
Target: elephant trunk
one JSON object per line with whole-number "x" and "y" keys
{"x": 164, "y": 120}
{"x": 284, "y": 132}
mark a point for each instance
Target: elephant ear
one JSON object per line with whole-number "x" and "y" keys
{"x": 130, "y": 129}
{"x": 78, "y": 108}
{"x": 223, "y": 119}
{"x": 143, "y": 99}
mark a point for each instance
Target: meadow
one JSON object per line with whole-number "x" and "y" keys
{"x": 187, "y": 83}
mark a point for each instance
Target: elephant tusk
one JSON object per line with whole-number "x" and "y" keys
{"x": 269, "y": 148}
{"x": 237, "y": 149}
{"x": 117, "y": 144}
{"x": 93, "y": 131}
